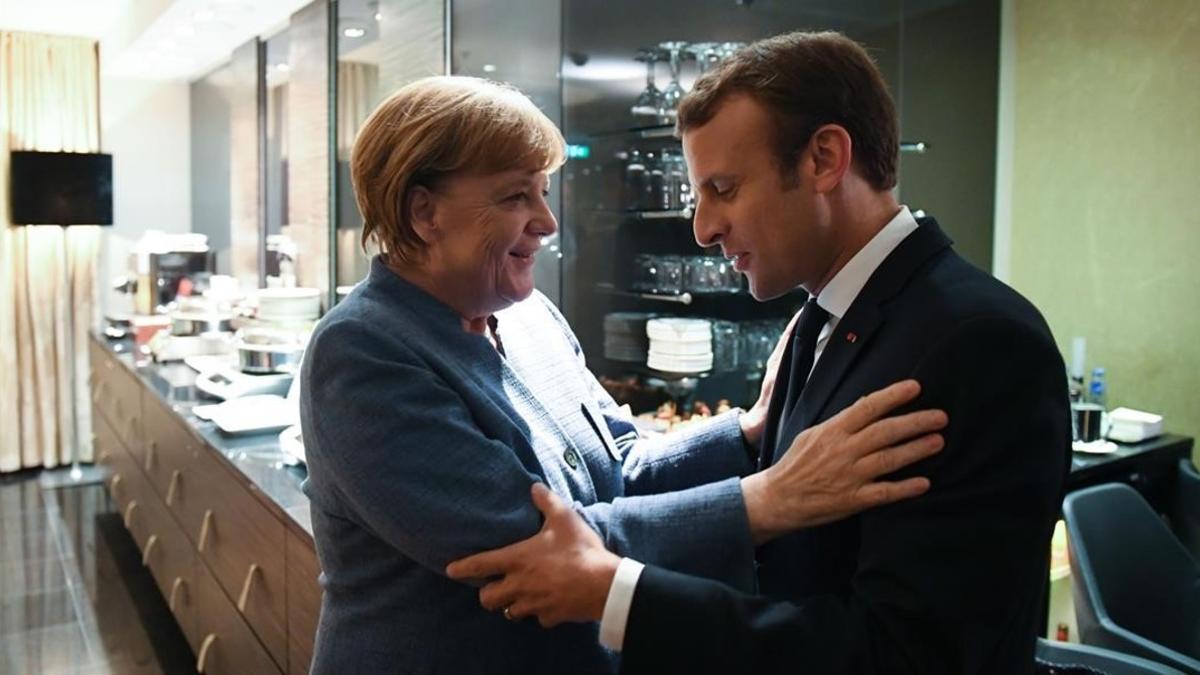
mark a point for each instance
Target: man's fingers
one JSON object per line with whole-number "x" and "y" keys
{"x": 893, "y": 430}
{"x": 498, "y": 595}
{"x": 546, "y": 501}
{"x": 492, "y": 563}
{"x": 878, "y": 494}
{"x": 895, "y": 458}
{"x": 877, "y": 404}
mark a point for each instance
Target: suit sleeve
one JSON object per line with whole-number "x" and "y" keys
{"x": 944, "y": 582}
{"x": 391, "y": 446}
{"x": 407, "y": 461}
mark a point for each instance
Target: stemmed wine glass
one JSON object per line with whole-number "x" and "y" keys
{"x": 707, "y": 54}
{"x": 650, "y": 101}
{"x": 674, "y": 91}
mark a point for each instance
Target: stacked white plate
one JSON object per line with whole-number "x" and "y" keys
{"x": 625, "y": 336}
{"x": 289, "y": 305}
{"x": 680, "y": 345}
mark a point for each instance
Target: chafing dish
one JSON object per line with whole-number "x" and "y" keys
{"x": 265, "y": 351}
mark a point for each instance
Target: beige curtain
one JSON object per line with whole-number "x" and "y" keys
{"x": 358, "y": 92}
{"x": 49, "y": 98}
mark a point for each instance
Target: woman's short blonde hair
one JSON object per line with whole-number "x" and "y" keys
{"x": 433, "y": 128}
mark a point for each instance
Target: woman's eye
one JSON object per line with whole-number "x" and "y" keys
{"x": 518, "y": 197}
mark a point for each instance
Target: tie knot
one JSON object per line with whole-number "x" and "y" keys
{"x": 812, "y": 319}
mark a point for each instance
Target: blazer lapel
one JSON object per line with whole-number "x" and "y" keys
{"x": 855, "y": 330}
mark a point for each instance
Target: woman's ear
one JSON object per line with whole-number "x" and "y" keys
{"x": 421, "y": 212}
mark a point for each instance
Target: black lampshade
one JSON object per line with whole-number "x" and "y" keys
{"x": 60, "y": 188}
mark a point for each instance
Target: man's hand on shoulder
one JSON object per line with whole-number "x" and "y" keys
{"x": 831, "y": 470}
{"x": 560, "y": 574}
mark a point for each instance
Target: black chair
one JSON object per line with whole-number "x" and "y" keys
{"x": 1183, "y": 507}
{"x": 1062, "y": 658}
{"x": 1136, "y": 589}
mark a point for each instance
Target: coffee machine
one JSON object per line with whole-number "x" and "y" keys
{"x": 165, "y": 266}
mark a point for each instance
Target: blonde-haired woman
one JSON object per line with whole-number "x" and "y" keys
{"x": 444, "y": 386}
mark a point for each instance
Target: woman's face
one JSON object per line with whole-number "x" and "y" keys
{"x": 486, "y": 230}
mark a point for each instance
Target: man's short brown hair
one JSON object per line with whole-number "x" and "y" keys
{"x": 807, "y": 80}
{"x": 433, "y": 128}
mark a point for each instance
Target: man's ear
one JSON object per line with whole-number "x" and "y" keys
{"x": 832, "y": 153}
{"x": 421, "y": 212}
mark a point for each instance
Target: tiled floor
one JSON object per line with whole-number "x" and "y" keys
{"x": 74, "y": 597}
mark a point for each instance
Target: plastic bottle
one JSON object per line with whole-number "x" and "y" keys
{"x": 1098, "y": 389}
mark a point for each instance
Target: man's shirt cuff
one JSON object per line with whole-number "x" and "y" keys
{"x": 620, "y": 599}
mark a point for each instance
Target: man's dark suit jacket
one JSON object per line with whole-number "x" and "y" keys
{"x": 949, "y": 582}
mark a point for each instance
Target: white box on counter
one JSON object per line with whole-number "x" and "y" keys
{"x": 1127, "y": 425}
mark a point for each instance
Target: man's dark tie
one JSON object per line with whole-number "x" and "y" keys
{"x": 804, "y": 346}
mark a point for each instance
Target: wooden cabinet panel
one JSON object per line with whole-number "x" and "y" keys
{"x": 227, "y": 644}
{"x": 243, "y": 544}
{"x": 303, "y": 602}
{"x": 169, "y": 556}
{"x": 168, "y": 449}
{"x": 117, "y": 395}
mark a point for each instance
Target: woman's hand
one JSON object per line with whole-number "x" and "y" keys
{"x": 754, "y": 420}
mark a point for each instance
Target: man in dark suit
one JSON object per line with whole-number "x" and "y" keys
{"x": 792, "y": 148}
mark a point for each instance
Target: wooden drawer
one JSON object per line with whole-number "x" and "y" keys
{"x": 227, "y": 644}
{"x": 119, "y": 398}
{"x": 167, "y": 449}
{"x": 104, "y": 441}
{"x": 242, "y": 543}
{"x": 104, "y": 383}
{"x": 125, "y": 481}
{"x": 170, "y": 558}
{"x": 303, "y": 602}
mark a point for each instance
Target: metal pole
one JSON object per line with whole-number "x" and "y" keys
{"x": 76, "y": 472}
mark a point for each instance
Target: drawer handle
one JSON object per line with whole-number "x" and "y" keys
{"x": 175, "y": 476}
{"x": 179, "y": 583}
{"x": 149, "y": 547}
{"x": 129, "y": 513}
{"x": 151, "y": 447}
{"x": 204, "y": 528}
{"x": 245, "y": 594}
{"x": 204, "y": 647}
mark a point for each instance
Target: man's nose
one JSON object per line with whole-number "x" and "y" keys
{"x": 706, "y": 225}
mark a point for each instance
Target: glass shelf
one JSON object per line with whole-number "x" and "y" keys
{"x": 676, "y": 214}
{"x": 679, "y": 298}
{"x": 652, "y": 131}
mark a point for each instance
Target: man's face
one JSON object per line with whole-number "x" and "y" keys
{"x": 776, "y": 230}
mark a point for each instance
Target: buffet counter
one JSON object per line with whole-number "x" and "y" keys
{"x": 220, "y": 520}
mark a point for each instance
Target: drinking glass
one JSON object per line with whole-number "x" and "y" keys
{"x": 674, "y": 91}
{"x": 725, "y": 346}
{"x": 707, "y": 54}
{"x": 650, "y": 102}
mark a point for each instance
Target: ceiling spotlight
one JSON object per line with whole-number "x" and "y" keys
{"x": 282, "y": 67}
{"x": 489, "y": 68}
{"x": 354, "y": 32}
{"x": 379, "y": 16}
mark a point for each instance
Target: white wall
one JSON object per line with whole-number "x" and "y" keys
{"x": 146, "y": 127}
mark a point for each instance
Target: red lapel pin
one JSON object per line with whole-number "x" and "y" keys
{"x": 851, "y": 337}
